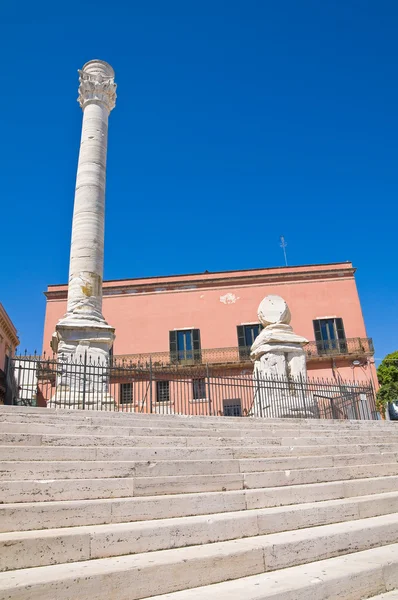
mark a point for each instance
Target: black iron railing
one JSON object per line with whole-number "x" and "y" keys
{"x": 346, "y": 347}
{"x": 196, "y": 390}
{"x": 352, "y": 347}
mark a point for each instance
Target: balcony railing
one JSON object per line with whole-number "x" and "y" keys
{"x": 347, "y": 347}
{"x": 351, "y": 347}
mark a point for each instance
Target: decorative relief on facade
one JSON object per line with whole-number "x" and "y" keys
{"x": 229, "y": 298}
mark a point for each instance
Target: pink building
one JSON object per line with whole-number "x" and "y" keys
{"x": 212, "y": 317}
{"x": 8, "y": 343}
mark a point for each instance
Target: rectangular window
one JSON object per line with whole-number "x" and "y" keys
{"x": 185, "y": 346}
{"x": 126, "y": 393}
{"x": 199, "y": 389}
{"x": 162, "y": 391}
{"x": 246, "y": 336}
{"x": 330, "y": 336}
{"x": 232, "y": 408}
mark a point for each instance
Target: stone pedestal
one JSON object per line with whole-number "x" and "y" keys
{"x": 83, "y": 331}
{"x": 279, "y": 364}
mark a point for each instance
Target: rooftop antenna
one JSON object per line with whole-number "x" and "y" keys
{"x": 283, "y": 245}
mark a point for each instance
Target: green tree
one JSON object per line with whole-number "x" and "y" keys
{"x": 387, "y": 374}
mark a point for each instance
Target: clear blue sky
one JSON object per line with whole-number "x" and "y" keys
{"x": 236, "y": 121}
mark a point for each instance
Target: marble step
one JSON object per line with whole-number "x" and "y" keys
{"x": 139, "y": 576}
{"x": 61, "y": 453}
{"x": 191, "y": 421}
{"x": 16, "y": 470}
{"x": 36, "y": 439}
{"x": 26, "y": 549}
{"x": 187, "y": 424}
{"x": 28, "y": 490}
{"x": 66, "y": 439}
{"x": 351, "y": 577}
{"x": 177, "y": 421}
{"x": 23, "y": 516}
{"x": 138, "y": 431}
{"x": 152, "y": 486}
{"x": 64, "y": 453}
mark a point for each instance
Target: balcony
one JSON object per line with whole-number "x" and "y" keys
{"x": 316, "y": 351}
{"x": 350, "y": 347}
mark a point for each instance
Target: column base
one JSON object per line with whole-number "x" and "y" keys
{"x": 82, "y": 365}
{"x": 277, "y": 406}
{"x": 73, "y": 340}
{"x": 67, "y": 398}
{"x": 275, "y": 365}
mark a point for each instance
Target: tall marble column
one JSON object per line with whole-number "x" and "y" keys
{"x": 83, "y": 329}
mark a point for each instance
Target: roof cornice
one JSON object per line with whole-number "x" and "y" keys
{"x": 8, "y": 326}
{"x": 220, "y": 279}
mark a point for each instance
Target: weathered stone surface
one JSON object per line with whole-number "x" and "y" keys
{"x": 351, "y": 577}
{"x": 111, "y": 506}
{"x": 278, "y": 352}
{"x": 83, "y": 332}
{"x": 131, "y": 577}
{"x": 20, "y": 550}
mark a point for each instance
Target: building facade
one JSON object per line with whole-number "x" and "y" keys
{"x": 211, "y": 318}
{"x": 8, "y": 343}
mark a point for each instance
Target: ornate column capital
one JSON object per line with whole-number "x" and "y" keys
{"x": 97, "y": 84}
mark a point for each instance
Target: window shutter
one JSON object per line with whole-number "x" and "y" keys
{"x": 241, "y": 336}
{"x": 196, "y": 345}
{"x": 341, "y": 335}
{"x": 318, "y": 336}
{"x": 173, "y": 347}
{"x": 340, "y": 329}
{"x": 243, "y": 352}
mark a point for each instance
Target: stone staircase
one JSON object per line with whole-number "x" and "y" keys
{"x": 125, "y": 507}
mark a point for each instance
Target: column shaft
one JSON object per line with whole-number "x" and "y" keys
{"x": 87, "y": 245}
{"x": 83, "y": 330}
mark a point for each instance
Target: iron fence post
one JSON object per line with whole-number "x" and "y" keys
{"x": 15, "y": 400}
{"x": 150, "y": 385}
{"x": 354, "y": 402}
{"x": 333, "y": 409}
{"x": 84, "y": 379}
{"x": 259, "y": 394}
{"x": 8, "y": 387}
{"x": 303, "y": 394}
{"x": 372, "y": 394}
{"x": 208, "y": 387}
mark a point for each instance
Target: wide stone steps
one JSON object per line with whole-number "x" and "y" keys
{"x": 32, "y": 414}
{"x": 106, "y": 453}
{"x": 27, "y": 439}
{"x": 199, "y": 435}
{"x": 164, "y": 571}
{"x": 38, "y": 515}
{"x": 27, "y": 469}
{"x": 54, "y": 546}
{"x": 28, "y": 490}
{"x": 351, "y": 577}
{"x": 233, "y": 430}
{"x": 127, "y": 506}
